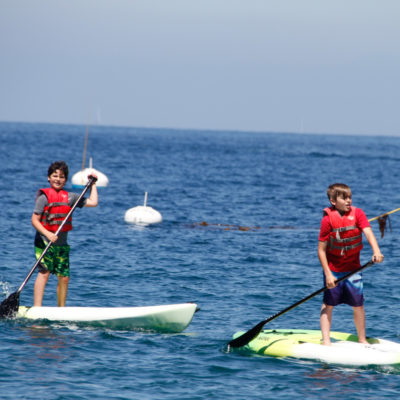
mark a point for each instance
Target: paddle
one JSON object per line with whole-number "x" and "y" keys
{"x": 254, "y": 332}
{"x": 382, "y": 221}
{"x": 384, "y": 215}
{"x": 9, "y": 306}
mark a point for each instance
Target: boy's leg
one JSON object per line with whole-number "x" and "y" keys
{"x": 62, "y": 289}
{"x": 38, "y": 290}
{"x": 326, "y": 321}
{"x": 62, "y": 271}
{"x": 359, "y": 322}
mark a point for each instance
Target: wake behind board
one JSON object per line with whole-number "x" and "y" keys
{"x": 172, "y": 318}
{"x": 306, "y": 344}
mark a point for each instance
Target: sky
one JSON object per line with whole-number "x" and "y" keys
{"x": 312, "y": 66}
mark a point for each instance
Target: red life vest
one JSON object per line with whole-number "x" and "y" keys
{"x": 345, "y": 238}
{"x": 56, "y": 210}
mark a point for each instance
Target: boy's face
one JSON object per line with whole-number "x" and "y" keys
{"x": 342, "y": 203}
{"x": 57, "y": 180}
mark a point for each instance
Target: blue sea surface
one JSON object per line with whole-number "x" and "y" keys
{"x": 241, "y": 214}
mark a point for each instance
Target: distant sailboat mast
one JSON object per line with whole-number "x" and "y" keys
{"x": 85, "y": 147}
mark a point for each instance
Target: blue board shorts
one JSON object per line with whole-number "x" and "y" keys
{"x": 349, "y": 291}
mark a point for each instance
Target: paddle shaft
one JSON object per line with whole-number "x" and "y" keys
{"x": 254, "y": 332}
{"x": 384, "y": 215}
{"x": 91, "y": 180}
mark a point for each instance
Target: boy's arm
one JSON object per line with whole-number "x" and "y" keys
{"x": 41, "y": 229}
{"x": 329, "y": 278}
{"x": 93, "y": 199}
{"x": 377, "y": 256}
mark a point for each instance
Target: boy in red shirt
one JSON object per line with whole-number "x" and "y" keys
{"x": 340, "y": 243}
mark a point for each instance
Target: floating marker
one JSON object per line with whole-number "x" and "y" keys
{"x": 143, "y": 215}
{"x": 80, "y": 179}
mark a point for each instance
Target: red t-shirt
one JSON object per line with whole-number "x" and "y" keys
{"x": 342, "y": 263}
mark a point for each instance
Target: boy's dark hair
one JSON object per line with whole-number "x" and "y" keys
{"x": 61, "y": 165}
{"x": 338, "y": 190}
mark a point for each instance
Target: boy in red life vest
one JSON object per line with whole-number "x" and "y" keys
{"x": 340, "y": 243}
{"x": 51, "y": 207}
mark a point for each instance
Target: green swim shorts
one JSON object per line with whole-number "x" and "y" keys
{"x": 56, "y": 260}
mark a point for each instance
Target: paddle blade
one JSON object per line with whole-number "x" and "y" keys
{"x": 247, "y": 337}
{"x": 9, "y": 306}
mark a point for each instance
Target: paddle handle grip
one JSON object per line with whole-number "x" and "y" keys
{"x": 92, "y": 179}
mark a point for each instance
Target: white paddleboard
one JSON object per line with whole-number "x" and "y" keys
{"x": 171, "y": 318}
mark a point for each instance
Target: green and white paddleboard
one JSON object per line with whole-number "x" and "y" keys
{"x": 306, "y": 344}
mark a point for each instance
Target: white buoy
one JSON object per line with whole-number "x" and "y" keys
{"x": 80, "y": 179}
{"x": 143, "y": 215}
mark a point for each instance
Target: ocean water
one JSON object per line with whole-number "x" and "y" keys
{"x": 271, "y": 185}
